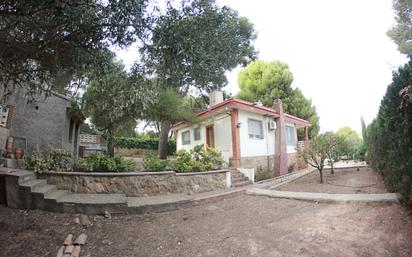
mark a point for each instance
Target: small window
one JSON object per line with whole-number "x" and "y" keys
{"x": 197, "y": 133}
{"x": 186, "y": 138}
{"x": 255, "y": 129}
{"x": 290, "y": 136}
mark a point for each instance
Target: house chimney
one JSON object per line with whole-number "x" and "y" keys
{"x": 215, "y": 97}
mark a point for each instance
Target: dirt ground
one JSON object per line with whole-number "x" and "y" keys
{"x": 345, "y": 181}
{"x": 237, "y": 226}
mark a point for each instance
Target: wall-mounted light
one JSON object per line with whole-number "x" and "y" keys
{"x": 239, "y": 124}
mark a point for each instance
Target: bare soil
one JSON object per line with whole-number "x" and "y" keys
{"x": 237, "y": 226}
{"x": 344, "y": 181}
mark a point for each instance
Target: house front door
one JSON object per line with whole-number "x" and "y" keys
{"x": 210, "y": 136}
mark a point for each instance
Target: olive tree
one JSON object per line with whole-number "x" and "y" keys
{"x": 316, "y": 153}
{"x": 113, "y": 99}
{"x": 191, "y": 47}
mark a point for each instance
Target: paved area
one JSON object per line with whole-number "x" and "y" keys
{"x": 237, "y": 226}
{"x": 388, "y": 197}
{"x": 362, "y": 180}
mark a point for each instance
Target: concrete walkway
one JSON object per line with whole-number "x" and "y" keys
{"x": 323, "y": 197}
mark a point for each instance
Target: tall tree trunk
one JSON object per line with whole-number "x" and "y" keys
{"x": 331, "y": 168}
{"x": 110, "y": 142}
{"x": 321, "y": 176}
{"x": 163, "y": 137}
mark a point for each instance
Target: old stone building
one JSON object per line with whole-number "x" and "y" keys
{"x": 47, "y": 123}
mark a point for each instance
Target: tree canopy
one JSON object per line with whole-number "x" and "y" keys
{"x": 265, "y": 81}
{"x": 191, "y": 47}
{"x": 112, "y": 100}
{"x": 45, "y": 44}
{"x": 401, "y": 33}
{"x": 194, "y": 44}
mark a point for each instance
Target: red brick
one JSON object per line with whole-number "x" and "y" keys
{"x": 76, "y": 251}
{"x": 60, "y": 252}
{"x": 68, "y": 240}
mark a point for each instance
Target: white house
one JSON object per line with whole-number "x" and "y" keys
{"x": 248, "y": 135}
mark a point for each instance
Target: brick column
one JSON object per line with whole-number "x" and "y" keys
{"x": 281, "y": 156}
{"x": 306, "y": 136}
{"x": 234, "y": 120}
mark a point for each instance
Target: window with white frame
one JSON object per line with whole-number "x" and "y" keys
{"x": 186, "y": 137}
{"x": 290, "y": 136}
{"x": 255, "y": 128}
{"x": 196, "y": 133}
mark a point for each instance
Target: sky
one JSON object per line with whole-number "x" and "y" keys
{"x": 337, "y": 50}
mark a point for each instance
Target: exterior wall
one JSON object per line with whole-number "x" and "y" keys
{"x": 259, "y": 147}
{"x": 250, "y": 147}
{"x": 255, "y": 153}
{"x": 222, "y": 134}
{"x": 43, "y": 124}
{"x": 138, "y": 183}
{"x": 266, "y": 163}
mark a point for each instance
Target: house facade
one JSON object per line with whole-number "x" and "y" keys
{"x": 48, "y": 123}
{"x": 248, "y": 135}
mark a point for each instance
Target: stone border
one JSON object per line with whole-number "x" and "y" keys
{"x": 137, "y": 173}
{"x": 324, "y": 197}
{"x": 138, "y": 184}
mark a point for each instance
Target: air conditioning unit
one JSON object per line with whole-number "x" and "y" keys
{"x": 272, "y": 125}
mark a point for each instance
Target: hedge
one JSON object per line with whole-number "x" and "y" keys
{"x": 389, "y": 136}
{"x": 143, "y": 143}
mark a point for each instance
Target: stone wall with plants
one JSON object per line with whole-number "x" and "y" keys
{"x": 200, "y": 158}
{"x": 389, "y": 136}
{"x": 62, "y": 160}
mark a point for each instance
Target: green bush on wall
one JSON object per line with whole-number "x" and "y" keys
{"x": 144, "y": 143}
{"x": 61, "y": 160}
{"x": 200, "y": 158}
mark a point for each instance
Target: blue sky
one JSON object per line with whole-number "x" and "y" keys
{"x": 338, "y": 52}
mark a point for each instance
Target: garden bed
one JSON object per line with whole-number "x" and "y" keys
{"x": 344, "y": 181}
{"x": 138, "y": 183}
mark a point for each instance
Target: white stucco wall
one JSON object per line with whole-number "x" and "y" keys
{"x": 222, "y": 135}
{"x": 259, "y": 147}
{"x": 252, "y": 146}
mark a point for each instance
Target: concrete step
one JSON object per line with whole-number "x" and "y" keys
{"x": 241, "y": 183}
{"x": 238, "y": 179}
{"x": 27, "y": 177}
{"x": 55, "y": 194}
{"x": 93, "y": 203}
{"x": 44, "y": 189}
{"x": 33, "y": 184}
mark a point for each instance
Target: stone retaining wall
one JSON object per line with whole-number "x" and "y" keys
{"x": 138, "y": 183}
{"x": 266, "y": 163}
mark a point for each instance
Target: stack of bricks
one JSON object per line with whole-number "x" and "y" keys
{"x": 70, "y": 248}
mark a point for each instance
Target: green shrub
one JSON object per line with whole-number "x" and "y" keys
{"x": 388, "y": 137}
{"x": 144, "y": 143}
{"x": 61, "y": 160}
{"x": 153, "y": 163}
{"x": 101, "y": 163}
{"x": 57, "y": 160}
{"x": 200, "y": 158}
{"x": 37, "y": 162}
